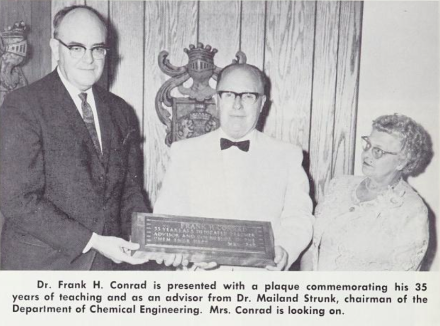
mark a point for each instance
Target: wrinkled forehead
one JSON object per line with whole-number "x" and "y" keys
{"x": 241, "y": 79}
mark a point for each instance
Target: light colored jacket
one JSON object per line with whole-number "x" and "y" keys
{"x": 267, "y": 183}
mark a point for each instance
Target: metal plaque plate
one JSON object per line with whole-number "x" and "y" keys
{"x": 199, "y": 239}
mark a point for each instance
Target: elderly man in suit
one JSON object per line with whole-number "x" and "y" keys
{"x": 69, "y": 160}
{"x": 238, "y": 172}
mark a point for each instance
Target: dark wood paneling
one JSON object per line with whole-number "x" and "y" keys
{"x": 252, "y": 32}
{"x": 101, "y": 6}
{"x": 347, "y": 87}
{"x": 36, "y": 15}
{"x": 169, "y": 26}
{"x": 288, "y": 63}
{"x": 323, "y": 97}
{"x": 127, "y": 66}
{"x": 219, "y": 26}
{"x": 14, "y": 10}
{"x": 40, "y": 60}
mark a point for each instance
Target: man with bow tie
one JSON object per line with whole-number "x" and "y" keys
{"x": 237, "y": 172}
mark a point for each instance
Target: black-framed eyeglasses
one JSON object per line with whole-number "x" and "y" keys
{"x": 77, "y": 51}
{"x": 376, "y": 151}
{"x": 247, "y": 98}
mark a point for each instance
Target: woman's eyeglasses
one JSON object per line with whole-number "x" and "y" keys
{"x": 376, "y": 151}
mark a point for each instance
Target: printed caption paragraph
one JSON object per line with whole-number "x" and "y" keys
{"x": 72, "y": 296}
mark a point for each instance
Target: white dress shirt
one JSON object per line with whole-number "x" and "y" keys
{"x": 74, "y": 92}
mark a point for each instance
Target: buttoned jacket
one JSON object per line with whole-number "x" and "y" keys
{"x": 55, "y": 189}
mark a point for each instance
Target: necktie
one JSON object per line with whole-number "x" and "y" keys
{"x": 90, "y": 121}
{"x": 242, "y": 145}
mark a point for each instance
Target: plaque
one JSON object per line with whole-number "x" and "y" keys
{"x": 200, "y": 239}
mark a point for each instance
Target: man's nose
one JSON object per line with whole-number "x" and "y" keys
{"x": 237, "y": 103}
{"x": 88, "y": 56}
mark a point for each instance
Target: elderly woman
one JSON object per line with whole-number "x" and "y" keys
{"x": 376, "y": 222}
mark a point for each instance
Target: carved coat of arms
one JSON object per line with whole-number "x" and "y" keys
{"x": 194, "y": 113}
{"x": 13, "y": 51}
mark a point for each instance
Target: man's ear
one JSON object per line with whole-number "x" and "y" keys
{"x": 55, "y": 47}
{"x": 263, "y": 101}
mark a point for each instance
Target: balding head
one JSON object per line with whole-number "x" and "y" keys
{"x": 59, "y": 17}
{"x": 241, "y": 76}
{"x": 240, "y": 99}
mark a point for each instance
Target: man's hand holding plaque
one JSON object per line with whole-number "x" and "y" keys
{"x": 175, "y": 260}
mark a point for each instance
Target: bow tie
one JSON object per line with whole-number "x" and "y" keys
{"x": 226, "y": 143}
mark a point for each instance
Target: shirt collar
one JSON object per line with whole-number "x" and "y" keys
{"x": 73, "y": 91}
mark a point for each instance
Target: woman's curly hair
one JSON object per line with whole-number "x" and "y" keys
{"x": 417, "y": 143}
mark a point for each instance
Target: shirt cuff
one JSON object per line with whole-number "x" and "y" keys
{"x": 90, "y": 243}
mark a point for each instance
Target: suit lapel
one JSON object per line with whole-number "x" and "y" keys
{"x": 112, "y": 139}
{"x": 63, "y": 103}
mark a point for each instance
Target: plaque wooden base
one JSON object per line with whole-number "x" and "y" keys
{"x": 199, "y": 239}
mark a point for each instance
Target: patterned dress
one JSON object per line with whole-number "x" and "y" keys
{"x": 386, "y": 233}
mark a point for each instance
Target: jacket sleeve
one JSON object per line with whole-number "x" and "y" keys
{"x": 294, "y": 229}
{"x": 22, "y": 181}
{"x": 134, "y": 199}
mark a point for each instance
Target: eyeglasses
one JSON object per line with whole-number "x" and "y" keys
{"x": 376, "y": 151}
{"x": 77, "y": 51}
{"x": 247, "y": 98}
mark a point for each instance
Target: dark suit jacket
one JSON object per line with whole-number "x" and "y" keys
{"x": 54, "y": 189}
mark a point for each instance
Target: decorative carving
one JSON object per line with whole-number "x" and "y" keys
{"x": 13, "y": 50}
{"x": 195, "y": 114}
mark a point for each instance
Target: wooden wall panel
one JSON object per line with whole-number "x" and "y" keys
{"x": 14, "y": 10}
{"x": 347, "y": 87}
{"x": 169, "y": 26}
{"x": 324, "y": 86}
{"x": 127, "y": 59}
{"x": 36, "y": 15}
{"x": 253, "y": 31}
{"x": 40, "y": 34}
{"x": 219, "y": 26}
{"x": 288, "y": 64}
{"x": 103, "y": 7}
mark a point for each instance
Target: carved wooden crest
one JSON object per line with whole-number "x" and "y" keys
{"x": 194, "y": 113}
{"x": 13, "y": 51}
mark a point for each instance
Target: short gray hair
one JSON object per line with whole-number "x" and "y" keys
{"x": 417, "y": 143}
